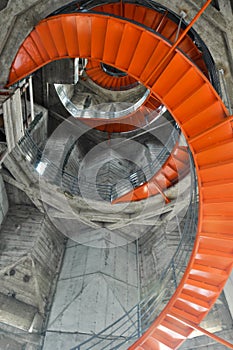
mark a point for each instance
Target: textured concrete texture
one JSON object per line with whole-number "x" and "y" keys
{"x": 13, "y": 339}
{"x": 4, "y": 203}
{"x": 17, "y": 20}
{"x": 95, "y": 288}
{"x": 3, "y": 4}
{"x": 30, "y": 253}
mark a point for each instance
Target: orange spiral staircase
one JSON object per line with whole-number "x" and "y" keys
{"x": 150, "y": 18}
{"x": 179, "y": 84}
{"x": 159, "y": 22}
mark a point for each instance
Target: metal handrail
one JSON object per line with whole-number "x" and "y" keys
{"x": 150, "y": 307}
{"x": 74, "y": 185}
{"x": 90, "y": 113}
{"x": 141, "y": 176}
{"x": 147, "y": 309}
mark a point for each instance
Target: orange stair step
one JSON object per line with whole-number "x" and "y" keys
{"x": 216, "y": 243}
{"x": 218, "y": 225}
{"x": 206, "y": 295}
{"x": 114, "y": 38}
{"x": 201, "y": 287}
{"x": 218, "y": 207}
{"x": 194, "y": 302}
{"x": 176, "y": 326}
{"x": 215, "y": 134}
{"x": 185, "y": 315}
{"x": 218, "y": 152}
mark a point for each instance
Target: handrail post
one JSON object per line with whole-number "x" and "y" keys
{"x": 174, "y": 46}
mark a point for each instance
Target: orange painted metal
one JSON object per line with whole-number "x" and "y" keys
{"x": 178, "y": 41}
{"x": 153, "y": 19}
{"x": 156, "y": 21}
{"x": 118, "y": 83}
{"x": 173, "y": 170}
{"x": 205, "y": 332}
{"x": 203, "y": 279}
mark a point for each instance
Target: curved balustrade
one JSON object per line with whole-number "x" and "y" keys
{"x": 145, "y": 12}
{"x": 97, "y": 113}
{"x": 72, "y": 183}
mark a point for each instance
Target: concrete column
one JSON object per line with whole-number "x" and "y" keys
{"x": 13, "y": 119}
{"x": 31, "y": 98}
{"x": 4, "y": 204}
{"x": 17, "y": 170}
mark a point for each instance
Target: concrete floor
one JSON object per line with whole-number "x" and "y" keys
{"x": 96, "y": 287}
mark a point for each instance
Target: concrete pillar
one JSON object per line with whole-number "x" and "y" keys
{"x": 17, "y": 170}
{"x": 13, "y": 119}
{"x": 31, "y": 98}
{"x": 4, "y": 204}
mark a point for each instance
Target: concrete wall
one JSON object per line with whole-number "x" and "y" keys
{"x": 13, "y": 119}
{"x": 95, "y": 287}
{"x": 4, "y": 204}
{"x": 25, "y": 235}
{"x": 30, "y": 251}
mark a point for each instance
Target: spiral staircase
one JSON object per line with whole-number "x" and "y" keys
{"x": 174, "y": 71}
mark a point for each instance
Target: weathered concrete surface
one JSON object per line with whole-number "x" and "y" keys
{"x": 95, "y": 288}
{"x": 4, "y": 203}
{"x": 15, "y": 339}
{"x": 13, "y": 119}
{"x": 30, "y": 254}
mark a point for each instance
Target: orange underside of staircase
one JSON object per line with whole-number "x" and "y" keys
{"x": 150, "y": 18}
{"x": 107, "y": 81}
{"x": 163, "y": 25}
{"x": 204, "y": 120}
